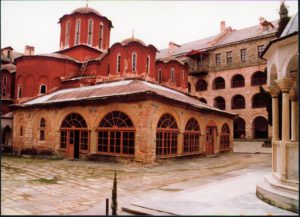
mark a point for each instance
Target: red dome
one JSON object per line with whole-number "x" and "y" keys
{"x": 129, "y": 40}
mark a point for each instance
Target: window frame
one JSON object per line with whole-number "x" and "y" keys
{"x": 43, "y": 85}
{"x": 134, "y": 61}
{"x": 68, "y": 25}
{"x": 77, "y": 31}
{"x": 218, "y": 59}
{"x": 159, "y": 76}
{"x": 148, "y": 64}
{"x": 229, "y": 57}
{"x": 243, "y": 55}
{"x": 172, "y": 75}
{"x": 119, "y": 63}
{"x": 101, "y": 32}
{"x": 90, "y": 32}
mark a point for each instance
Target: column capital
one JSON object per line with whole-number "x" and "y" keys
{"x": 294, "y": 95}
{"x": 274, "y": 91}
{"x": 284, "y": 84}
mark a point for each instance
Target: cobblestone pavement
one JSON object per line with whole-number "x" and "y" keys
{"x": 32, "y": 186}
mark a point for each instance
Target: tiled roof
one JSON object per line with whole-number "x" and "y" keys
{"x": 117, "y": 88}
{"x": 8, "y": 115}
{"x": 291, "y": 27}
{"x": 234, "y": 36}
{"x": 54, "y": 55}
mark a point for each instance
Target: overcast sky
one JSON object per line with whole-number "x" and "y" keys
{"x": 155, "y": 22}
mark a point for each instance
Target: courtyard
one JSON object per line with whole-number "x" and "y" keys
{"x": 33, "y": 186}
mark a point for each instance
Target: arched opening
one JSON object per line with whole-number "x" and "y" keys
{"x": 225, "y": 138}
{"x": 203, "y": 100}
{"x": 219, "y": 103}
{"x": 258, "y": 78}
{"x": 218, "y": 83}
{"x": 259, "y": 100}
{"x": 260, "y": 127}
{"x": 43, "y": 89}
{"x": 201, "y": 85}
{"x": 6, "y": 136}
{"x": 166, "y": 136}
{"x": 74, "y": 135}
{"x": 237, "y": 81}
{"x": 191, "y": 142}
{"x": 116, "y": 134}
{"x": 239, "y": 131}
{"x": 211, "y": 137}
{"x": 238, "y": 102}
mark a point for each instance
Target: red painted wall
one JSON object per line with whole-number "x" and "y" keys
{"x": 80, "y": 53}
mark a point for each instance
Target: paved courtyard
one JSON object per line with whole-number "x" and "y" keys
{"x": 62, "y": 187}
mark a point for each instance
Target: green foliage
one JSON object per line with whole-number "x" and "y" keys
{"x": 284, "y": 18}
{"x": 114, "y": 203}
{"x": 46, "y": 181}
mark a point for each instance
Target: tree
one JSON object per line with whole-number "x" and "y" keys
{"x": 284, "y": 18}
{"x": 114, "y": 203}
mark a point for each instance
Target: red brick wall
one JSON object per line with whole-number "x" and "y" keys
{"x": 80, "y": 53}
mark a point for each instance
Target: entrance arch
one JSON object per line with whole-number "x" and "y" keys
{"x": 74, "y": 135}
{"x": 260, "y": 128}
{"x": 6, "y": 136}
{"x": 211, "y": 137}
{"x": 239, "y": 131}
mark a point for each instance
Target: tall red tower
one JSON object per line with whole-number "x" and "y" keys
{"x": 85, "y": 26}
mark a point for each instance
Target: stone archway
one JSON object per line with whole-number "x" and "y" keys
{"x": 6, "y": 136}
{"x": 260, "y": 128}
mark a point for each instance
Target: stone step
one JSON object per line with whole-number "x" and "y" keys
{"x": 280, "y": 186}
{"x": 139, "y": 210}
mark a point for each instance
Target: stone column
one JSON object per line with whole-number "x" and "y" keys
{"x": 295, "y": 121}
{"x": 93, "y": 141}
{"x": 275, "y": 113}
{"x": 285, "y": 85}
{"x": 180, "y": 143}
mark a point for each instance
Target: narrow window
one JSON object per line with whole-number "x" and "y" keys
{"x": 229, "y": 57}
{"x": 148, "y": 64}
{"x": 77, "y": 33}
{"x": 90, "y": 32}
{"x": 243, "y": 55}
{"x": 67, "y": 34}
{"x": 4, "y": 80}
{"x": 172, "y": 75}
{"x": 133, "y": 62}
{"x": 101, "y": 36}
{"x": 43, "y": 89}
{"x": 119, "y": 63}
{"x": 260, "y": 49}
{"x": 4, "y": 91}
{"x": 218, "y": 59}
{"x": 19, "y": 91}
{"x": 8, "y": 53}
{"x": 21, "y": 131}
{"x": 159, "y": 76}
{"x": 42, "y": 129}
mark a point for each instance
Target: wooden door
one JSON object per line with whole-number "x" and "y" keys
{"x": 210, "y": 140}
{"x": 70, "y": 143}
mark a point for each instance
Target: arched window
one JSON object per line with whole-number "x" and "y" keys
{"x": 239, "y": 128}
{"x": 237, "y": 81}
{"x": 74, "y": 132}
{"x": 148, "y": 65}
{"x": 189, "y": 87}
{"x": 259, "y": 100}
{"x": 191, "y": 142}
{"x": 159, "y": 75}
{"x": 90, "y": 31}
{"x": 43, "y": 89}
{"x": 116, "y": 134}
{"x": 42, "y": 129}
{"x": 4, "y": 91}
{"x": 172, "y": 75}
{"x": 77, "y": 32}
{"x": 166, "y": 136}
{"x": 258, "y": 78}
{"x": 260, "y": 127}
{"x": 218, "y": 83}
{"x": 101, "y": 36}
{"x": 119, "y": 63}
{"x": 67, "y": 33}
{"x": 21, "y": 131}
{"x": 133, "y": 61}
{"x": 219, "y": 103}
{"x": 203, "y": 100}
{"x": 19, "y": 91}
{"x": 238, "y": 102}
{"x": 201, "y": 85}
{"x": 225, "y": 138}
{"x": 4, "y": 81}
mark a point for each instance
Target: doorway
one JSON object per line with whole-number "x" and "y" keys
{"x": 210, "y": 139}
{"x": 73, "y": 143}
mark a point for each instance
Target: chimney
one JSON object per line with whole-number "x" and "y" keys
{"x": 172, "y": 47}
{"x": 29, "y": 50}
{"x": 222, "y": 26}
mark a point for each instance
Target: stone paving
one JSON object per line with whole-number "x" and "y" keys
{"x": 32, "y": 186}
